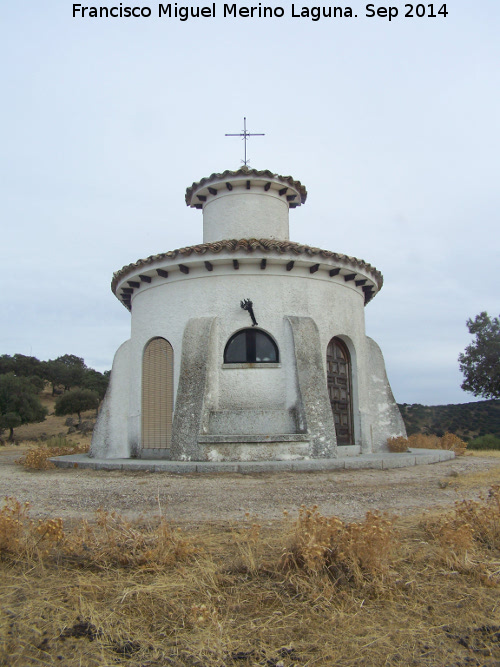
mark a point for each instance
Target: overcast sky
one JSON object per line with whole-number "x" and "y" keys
{"x": 393, "y": 127}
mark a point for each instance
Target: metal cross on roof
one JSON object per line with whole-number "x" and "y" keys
{"x": 245, "y": 136}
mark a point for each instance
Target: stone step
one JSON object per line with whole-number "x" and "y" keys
{"x": 249, "y": 447}
{"x": 252, "y": 439}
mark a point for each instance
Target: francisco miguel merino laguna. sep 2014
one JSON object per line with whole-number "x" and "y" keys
{"x": 183, "y": 13}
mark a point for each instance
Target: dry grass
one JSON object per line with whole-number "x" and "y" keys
{"x": 453, "y": 442}
{"x": 472, "y": 481}
{"x": 355, "y": 553}
{"x": 465, "y": 535}
{"x": 314, "y": 591}
{"x": 421, "y": 441}
{"x": 397, "y": 445}
{"x": 37, "y": 455}
{"x": 490, "y": 453}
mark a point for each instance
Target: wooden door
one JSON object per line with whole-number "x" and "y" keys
{"x": 338, "y": 363}
{"x": 157, "y": 394}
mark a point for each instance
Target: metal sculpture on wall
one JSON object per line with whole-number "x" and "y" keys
{"x": 246, "y": 304}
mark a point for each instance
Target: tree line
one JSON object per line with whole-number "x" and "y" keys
{"x": 467, "y": 420}
{"x": 22, "y": 378}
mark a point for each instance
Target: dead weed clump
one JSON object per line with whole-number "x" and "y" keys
{"x": 349, "y": 553}
{"x": 397, "y": 445}
{"x": 13, "y": 519}
{"x": 481, "y": 518}
{"x": 472, "y": 527}
{"x": 38, "y": 457}
{"x": 249, "y": 545}
{"x": 109, "y": 542}
{"x": 422, "y": 441}
{"x": 454, "y": 443}
{"x": 22, "y": 537}
{"x": 112, "y": 541}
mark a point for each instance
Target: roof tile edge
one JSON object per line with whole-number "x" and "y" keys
{"x": 247, "y": 245}
{"x": 246, "y": 171}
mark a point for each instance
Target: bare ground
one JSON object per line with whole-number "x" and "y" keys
{"x": 191, "y": 499}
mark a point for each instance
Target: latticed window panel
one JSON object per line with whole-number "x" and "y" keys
{"x": 157, "y": 394}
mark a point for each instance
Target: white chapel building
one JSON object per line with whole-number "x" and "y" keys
{"x": 247, "y": 346}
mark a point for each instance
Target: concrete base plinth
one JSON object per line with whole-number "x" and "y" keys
{"x": 383, "y": 461}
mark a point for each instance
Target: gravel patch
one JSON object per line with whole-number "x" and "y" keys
{"x": 195, "y": 498}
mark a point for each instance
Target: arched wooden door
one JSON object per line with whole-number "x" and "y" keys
{"x": 338, "y": 363}
{"x": 157, "y": 394}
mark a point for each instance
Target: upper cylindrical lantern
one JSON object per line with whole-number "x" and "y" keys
{"x": 245, "y": 204}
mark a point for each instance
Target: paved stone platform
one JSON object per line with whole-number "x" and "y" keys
{"x": 383, "y": 461}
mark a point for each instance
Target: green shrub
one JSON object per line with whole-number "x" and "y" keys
{"x": 488, "y": 441}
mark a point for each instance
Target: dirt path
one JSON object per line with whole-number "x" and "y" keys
{"x": 226, "y": 497}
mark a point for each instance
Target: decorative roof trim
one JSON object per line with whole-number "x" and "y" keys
{"x": 246, "y": 171}
{"x": 249, "y": 246}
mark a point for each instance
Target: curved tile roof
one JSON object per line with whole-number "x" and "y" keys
{"x": 249, "y": 246}
{"x": 246, "y": 171}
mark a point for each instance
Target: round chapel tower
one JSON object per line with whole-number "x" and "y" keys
{"x": 247, "y": 346}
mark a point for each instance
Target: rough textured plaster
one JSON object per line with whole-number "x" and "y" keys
{"x": 385, "y": 418}
{"x": 110, "y": 436}
{"x": 290, "y": 451}
{"x": 313, "y": 387}
{"x": 196, "y": 365}
{"x": 240, "y": 215}
{"x": 252, "y": 422}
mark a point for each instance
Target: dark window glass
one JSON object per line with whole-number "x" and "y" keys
{"x": 250, "y": 346}
{"x": 236, "y": 350}
{"x": 265, "y": 349}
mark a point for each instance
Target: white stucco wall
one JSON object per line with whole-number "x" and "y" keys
{"x": 382, "y": 414}
{"x": 110, "y": 438}
{"x": 163, "y": 308}
{"x": 240, "y": 214}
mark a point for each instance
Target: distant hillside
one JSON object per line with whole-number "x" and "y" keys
{"x": 467, "y": 420}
